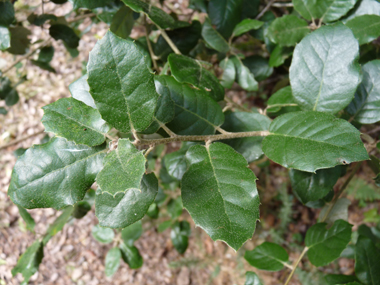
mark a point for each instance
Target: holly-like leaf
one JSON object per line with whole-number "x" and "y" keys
{"x": 103, "y": 235}
{"x": 310, "y": 140}
{"x": 229, "y": 72}
{"x": 80, "y": 90}
{"x": 267, "y": 256}
{"x": 244, "y": 76}
{"x": 122, "y": 22}
{"x": 325, "y": 10}
{"x": 250, "y": 148}
{"x": 175, "y": 162}
{"x": 213, "y": 38}
{"x": 158, "y": 16}
{"x": 131, "y": 256}
{"x": 195, "y": 112}
{"x": 288, "y": 30}
{"x": 367, "y": 266}
{"x": 112, "y": 261}
{"x": 75, "y": 121}
{"x": 311, "y": 187}
{"x": 28, "y": 219}
{"x": 180, "y": 236}
{"x": 188, "y": 70}
{"x": 5, "y": 38}
{"x": 365, "y": 108}
{"x": 121, "y": 84}
{"x": 55, "y": 174}
{"x": 324, "y": 246}
{"x": 324, "y": 73}
{"x": 366, "y": 28}
{"x": 64, "y": 33}
{"x": 58, "y": 224}
{"x": 251, "y": 278}
{"x": 7, "y": 13}
{"x": 132, "y": 233}
{"x": 258, "y": 66}
{"x": 280, "y": 101}
{"x": 90, "y": 4}
{"x": 245, "y": 26}
{"x": 219, "y": 191}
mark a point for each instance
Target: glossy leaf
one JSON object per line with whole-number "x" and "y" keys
{"x": 55, "y": 174}
{"x": 288, "y": 30}
{"x": 122, "y": 22}
{"x": 75, "y": 121}
{"x": 367, "y": 266}
{"x": 229, "y": 72}
{"x": 158, "y": 16}
{"x": 90, "y": 4}
{"x": 187, "y": 70}
{"x": 175, "y": 162}
{"x": 258, "y": 66}
{"x": 126, "y": 208}
{"x": 112, "y": 262}
{"x": 267, "y": 256}
{"x": 131, "y": 256}
{"x": 324, "y": 73}
{"x": 219, "y": 191}
{"x": 195, "y": 112}
{"x": 58, "y": 224}
{"x": 279, "y": 55}
{"x": 365, "y": 108}
{"x": 64, "y": 33}
{"x": 311, "y": 187}
{"x": 324, "y": 246}
{"x": 5, "y": 38}
{"x": 80, "y": 90}
{"x": 103, "y": 235}
{"x": 245, "y": 26}
{"x": 153, "y": 211}
{"x": 28, "y": 219}
{"x": 309, "y": 141}
{"x": 132, "y": 233}
{"x": 7, "y": 13}
{"x": 366, "y": 28}
{"x": 29, "y": 261}
{"x": 326, "y": 10}
{"x": 280, "y": 101}
{"x": 213, "y": 38}
{"x": 251, "y": 278}
{"x": 180, "y": 236}
{"x": 225, "y": 15}
{"x": 244, "y": 76}
{"x": 250, "y": 147}
{"x": 19, "y": 40}
{"x": 363, "y": 7}
{"x": 121, "y": 84}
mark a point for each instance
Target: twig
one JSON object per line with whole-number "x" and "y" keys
{"x": 237, "y": 106}
{"x": 279, "y": 105}
{"x": 265, "y": 9}
{"x": 147, "y": 31}
{"x": 167, "y": 130}
{"x": 169, "y": 41}
{"x": 21, "y": 139}
{"x": 80, "y": 17}
{"x": 296, "y": 264}
{"x": 148, "y": 151}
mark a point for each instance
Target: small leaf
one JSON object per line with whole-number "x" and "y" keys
{"x": 338, "y": 212}
{"x": 103, "y": 235}
{"x": 278, "y": 101}
{"x": 112, "y": 262}
{"x": 245, "y": 26}
{"x": 80, "y": 90}
{"x": 122, "y": 22}
{"x": 366, "y": 28}
{"x": 158, "y": 16}
{"x": 175, "y": 162}
{"x": 58, "y": 224}
{"x": 324, "y": 246}
{"x": 75, "y": 121}
{"x": 229, "y": 72}
{"x": 46, "y": 54}
{"x": 324, "y": 73}
{"x": 165, "y": 110}
{"x": 213, "y": 38}
{"x": 251, "y": 278}
{"x": 180, "y": 236}
{"x": 81, "y": 209}
{"x": 175, "y": 208}
{"x": 244, "y": 76}
{"x": 164, "y": 226}
{"x": 132, "y": 233}
{"x": 294, "y": 141}
{"x": 121, "y": 84}
{"x": 39, "y": 20}
{"x": 219, "y": 192}
{"x": 30, "y": 223}
{"x": 7, "y": 13}
{"x": 288, "y": 30}
{"x": 19, "y": 40}
{"x": 258, "y": 66}
{"x": 131, "y": 256}
{"x": 267, "y": 256}
{"x": 5, "y": 38}
{"x": 367, "y": 266}
{"x": 187, "y": 70}
{"x": 333, "y": 279}
{"x": 279, "y": 55}
{"x": 90, "y": 4}
{"x": 153, "y": 211}
{"x": 29, "y": 261}
{"x": 55, "y": 174}
{"x": 64, "y": 33}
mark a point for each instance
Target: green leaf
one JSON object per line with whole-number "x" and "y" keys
{"x": 107, "y": 12}
{"x": 175, "y": 208}
{"x": 175, "y": 162}
{"x": 250, "y": 147}
{"x": 229, "y": 72}
{"x": 125, "y": 208}
{"x": 187, "y": 70}
{"x": 7, "y": 13}
{"x": 279, "y": 55}
{"x": 213, "y": 38}
{"x": 80, "y": 90}
{"x": 43, "y": 65}
{"x": 311, "y": 187}
{"x": 19, "y": 40}
{"x": 310, "y": 140}
{"x": 365, "y": 108}
{"x": 195, "y": 112}
{"x": 59, "y": 1}
{"x": 46, "y": 54}
{"x": 58, "y": 224}
{"x": 165, "y": 110}
{"x": 7, "y": 92}
{"x": 30, "y": 223}
{"x": 5, "y": 38}
{"x": 250, "y": 8}
{"x": 219, "y": 192}
{"x": 164, "y": 226}
{"x": 75, "y": 121}
{"x": 81, "y": 209}
{"x": 324, "y": 246}
{"x": 64, "y": 33}
{"x": 131, "y": 256}
{"x": 121, "y": 84}
{"x": 258, "y": 66}
{"x": 225, "y": 15}
{"x": 279, "y": 101}
{"x": 112, "y": 262}
{"x": 367, "y": 266}
{"x": 103, "y": 235}
{"x": 333, "y": 279}
{"x": 39, "y": 20}
{"x": 90, "y": 4}
{"x": 363, "y": 7}
{"x": 362, "y": 190}
{"x": 366, "y": 28}
{"x": 180, "y": 236}
{"x": 244, "y": 76}
{"x": 153, "y": 211}
{"x": 326, "y": 10}
{"x": 55, "y": 174}
{"x": 338, "y": 212}
{"x": 158, "y": 16}
{"x": 199, "y": 5}
{"x": 251, "y": 278}
{"x": 245, "y": 26}
{"x": 132, "y": 233}
{"x": 29, "y": 261}
{"x": 267, "y": 256}
{"x": 122, "y": 22}
{"x": 288, "y": 30}
{"x": 324, "y": 73}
